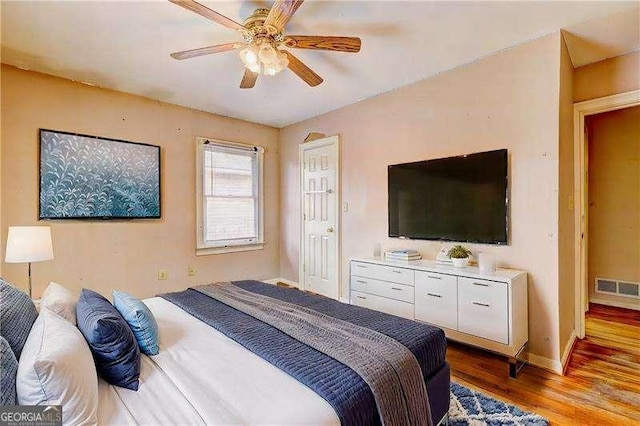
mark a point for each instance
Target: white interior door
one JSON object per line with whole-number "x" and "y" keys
{"x": 319, "y": 244}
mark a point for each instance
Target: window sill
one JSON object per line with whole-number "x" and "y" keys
{"x": 228, "y": 249}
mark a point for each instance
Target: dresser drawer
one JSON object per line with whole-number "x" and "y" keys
{"x": 436, "y": 299}
{"x": 382, "y": 288}
{"x": 483, "y": 309}
{"x": 383, "y": 273}
{"x": 393, "y": 307}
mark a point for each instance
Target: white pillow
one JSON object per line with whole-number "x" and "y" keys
{"x": 56, "y": 368}
{"x": 58, "y": 299}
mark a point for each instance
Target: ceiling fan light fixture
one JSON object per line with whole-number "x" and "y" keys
{"x": 267, "y": 54}
{"x": 249, "y": 56}
{"x": 281, "y": 63}
{"x": 254, "y": 68}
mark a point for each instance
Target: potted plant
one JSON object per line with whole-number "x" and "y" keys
{"x": 459, "y": 256}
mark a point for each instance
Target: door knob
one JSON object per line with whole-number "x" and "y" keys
{"x": 330, "y": 229}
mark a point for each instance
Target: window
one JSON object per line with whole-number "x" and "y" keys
{"x": 229, "y": 197}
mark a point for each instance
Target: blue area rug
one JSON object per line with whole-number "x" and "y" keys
{"x": 469, "y": 407}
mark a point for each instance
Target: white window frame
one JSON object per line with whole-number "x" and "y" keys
{"x": 203, "y": 247}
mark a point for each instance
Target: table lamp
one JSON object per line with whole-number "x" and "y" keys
{"x": 27, "y": 244}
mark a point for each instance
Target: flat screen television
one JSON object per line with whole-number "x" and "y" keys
{"x": 90, "y": 177}
{"x": 462, "y": 199}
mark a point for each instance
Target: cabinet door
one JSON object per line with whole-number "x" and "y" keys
{"x": 393, "y": 307}
{"x": 483, "y": 309}
{"x": 436, "y": 300}
{"x": 393, "y": 274}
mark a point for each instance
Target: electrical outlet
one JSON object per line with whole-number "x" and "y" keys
{"x": 162, "y": 274}
{"x": 345, "y": 207}
{"x": 191, "y": 271}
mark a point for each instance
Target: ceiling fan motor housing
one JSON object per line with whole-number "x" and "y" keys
{"x": 257, "y": 30}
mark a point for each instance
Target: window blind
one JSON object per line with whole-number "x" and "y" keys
{"x": 230, "y": 195}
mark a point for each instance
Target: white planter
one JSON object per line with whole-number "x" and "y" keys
{"x": 460, "y": 263}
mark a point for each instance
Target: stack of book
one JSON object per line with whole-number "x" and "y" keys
{"x": 402, "y": 255}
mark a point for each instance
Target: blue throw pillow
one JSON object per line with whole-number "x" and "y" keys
{"x": 140, "y": 319}
{"x": 8, "y": 372}
{"x": 17, "y": 315}
{"x": 112, "y": 343}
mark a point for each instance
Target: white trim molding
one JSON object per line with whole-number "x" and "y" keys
{"x": 545, "y": 363}
{"x": 204, "y": 247}
{"x": 631, "y": 304}
{"x": 335, "y": 141}
{"x": 580, "y": 111}
{"x": 282, "y": 280}
{"x": 568, "y": 349}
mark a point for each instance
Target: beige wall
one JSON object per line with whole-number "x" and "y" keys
{"x": 611, "y": 76}
{"x": 124, "y": 255}
{"x": 566, "y": 231}
{"x": 508, "y": 100}
{"x": 614, "y": 197}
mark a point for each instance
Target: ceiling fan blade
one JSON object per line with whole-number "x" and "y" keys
{"x": 303, "y": 71}
{"x": 248, "y": 79}
{"x": 338, "y": 44}
{"x": 186, "y": 54}
{"x": 280, "y": 13}
{"x": 201, "y": 10}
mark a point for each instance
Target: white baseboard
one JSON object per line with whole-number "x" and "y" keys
{"x": 635, "y": 305}
{"x": 345, "y": 300}
{"x": 282, "y": 280}
{"x": 567, "y": 350}
{"x": 552, "y": 365}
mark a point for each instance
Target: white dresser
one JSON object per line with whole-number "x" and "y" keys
{"x": 488, "y": 311}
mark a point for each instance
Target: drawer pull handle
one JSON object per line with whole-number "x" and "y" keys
{"x": 481, "y": 284}
{"x": 434, "y": 278}
{"x": 361, "y": 297}
{"x": 395, "y": 271}
{"x": 361, "y": 282}
{"x": 481, "y": 304}
{"x": 396, "y": 288}
{"x": 433, "y": 295}
{"x": 360, "y": 266}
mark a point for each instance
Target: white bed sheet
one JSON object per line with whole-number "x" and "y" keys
{"x": 201, "y": 376}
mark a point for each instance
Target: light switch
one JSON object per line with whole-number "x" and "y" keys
{"x": 345, "y": 207}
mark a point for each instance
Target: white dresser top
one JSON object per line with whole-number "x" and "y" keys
{"x": 500, "y": 274}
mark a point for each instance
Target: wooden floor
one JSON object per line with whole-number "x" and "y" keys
{"x": 601, "y": 385}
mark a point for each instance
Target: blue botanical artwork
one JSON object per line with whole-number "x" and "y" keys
{"x": 89, "y": 177}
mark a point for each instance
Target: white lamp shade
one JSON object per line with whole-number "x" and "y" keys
{"x": 28, "y": 244}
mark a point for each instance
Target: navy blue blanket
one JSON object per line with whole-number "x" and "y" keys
{"x": 340, "y": 386}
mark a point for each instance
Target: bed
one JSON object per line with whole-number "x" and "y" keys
{"x": 228, "y": 353}
{"x": 219, "y": 366}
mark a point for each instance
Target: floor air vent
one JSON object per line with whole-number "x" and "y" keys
{"x": 619, "y": 288}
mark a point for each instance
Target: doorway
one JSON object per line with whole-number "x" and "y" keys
{"x": 582, "y": 112}
{"x": 320, "y": 217}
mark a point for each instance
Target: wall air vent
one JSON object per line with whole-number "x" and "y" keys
{"x": 618, "y": 288}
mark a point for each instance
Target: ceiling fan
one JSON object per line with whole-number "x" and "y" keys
{"x": 264, "y": 35}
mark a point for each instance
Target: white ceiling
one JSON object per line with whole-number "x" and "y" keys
{"x": 125, "y": 46}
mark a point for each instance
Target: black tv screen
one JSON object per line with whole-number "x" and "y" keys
{"x": 461, "y": 199}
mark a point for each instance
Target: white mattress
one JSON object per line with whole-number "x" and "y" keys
{"x": 201, "y": 376}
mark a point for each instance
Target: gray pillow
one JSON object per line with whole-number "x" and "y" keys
{"x": 17, "y": 315}
{"x": 8, "y": 371}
